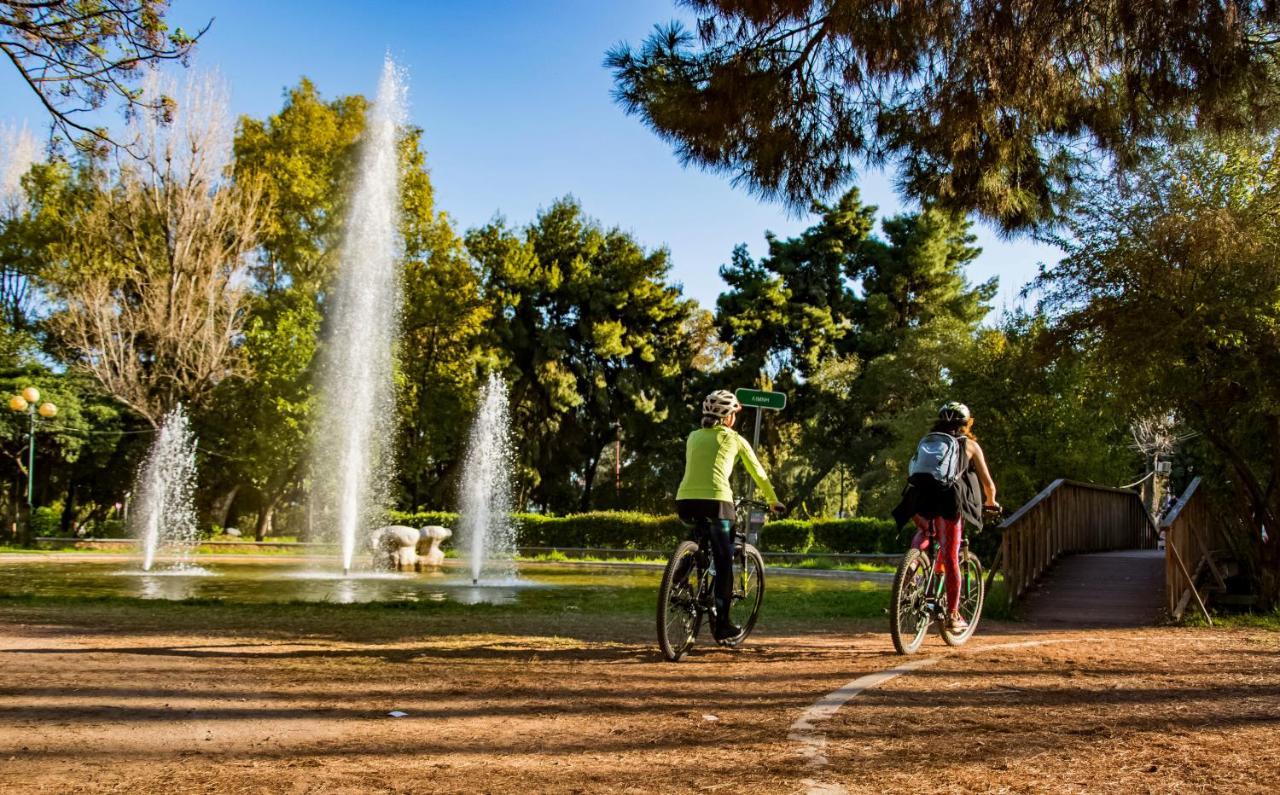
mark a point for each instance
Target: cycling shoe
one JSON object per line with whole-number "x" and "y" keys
{"x": 727, "y": 631}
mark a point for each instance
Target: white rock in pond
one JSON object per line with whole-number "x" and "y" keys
{"x": 394, "y": 547}
{"x": 429, "y": 552}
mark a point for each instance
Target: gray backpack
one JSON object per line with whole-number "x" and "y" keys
{"x": 939, "y": 457}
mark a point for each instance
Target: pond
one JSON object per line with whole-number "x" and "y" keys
{"x": 293, "y": 580}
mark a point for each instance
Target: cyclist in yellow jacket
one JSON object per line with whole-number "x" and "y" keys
{"x": 705, "y": 498}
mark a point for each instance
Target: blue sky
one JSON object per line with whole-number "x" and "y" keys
{"x": 516, "y": 111}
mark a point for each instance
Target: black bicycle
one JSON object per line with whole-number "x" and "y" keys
{"x": 920, "y": 598}
{"x": 687, "y": 594}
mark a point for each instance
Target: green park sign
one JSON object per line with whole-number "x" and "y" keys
{"x": 760, "y": 399}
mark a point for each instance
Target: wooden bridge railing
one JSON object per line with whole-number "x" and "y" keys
{"x": 1189, "y": 543}
{"x": 1068, "y": 517}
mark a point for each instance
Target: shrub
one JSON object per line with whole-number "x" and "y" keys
{"x": 423, "y": 518}
{"x": 46, "y": 521}
{"x": 600, "y": 529}
{"x": 894, "y": 538}
{"x": 107, "y": 528}
{"x": 631, "y": 530}
{"x": 603, "y": 529}
{"x": 787, "y": 535}
{"x": 860, "y": 534}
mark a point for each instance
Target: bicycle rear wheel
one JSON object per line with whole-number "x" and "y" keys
{"x": 748, "y": 594}
{"x": 678, "y": 616}
{"x": 971, "y": 598}
{"x": 909, "y": 616}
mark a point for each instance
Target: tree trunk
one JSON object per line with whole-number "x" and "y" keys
{"x": 234, "y": 509}
{"x": 263, "y": 527}
{"x": 222, "y": 506}
{"x": 588, "y": 483}
{"x": 69, "y": 507}
{"x": 1269, "y": 571}
{"x": 14, "y": 519}
{"x": 268, "y": 509}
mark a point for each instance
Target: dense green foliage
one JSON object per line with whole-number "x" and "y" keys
{"x": 592, "y": 337}
{"x": 980, "y": 104}
{"x": 1172, "y": 280}
{"x": 860, "y": 330}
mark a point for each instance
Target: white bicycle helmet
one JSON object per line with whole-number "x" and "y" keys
{"x": 954, "y": 410}
{"x": 720, "y": 403}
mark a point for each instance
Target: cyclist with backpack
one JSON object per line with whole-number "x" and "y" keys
{"x": 948, "y": 481}
{"x": 705, "y": 498}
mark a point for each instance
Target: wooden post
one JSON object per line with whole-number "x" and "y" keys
{"x": 1190, "y": 582}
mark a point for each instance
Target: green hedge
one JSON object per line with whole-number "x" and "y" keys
{"x": 599, "y": 529}
{"x": 787, "y": 535}
{"x": 860, "y": 534}
{"x": 628, "y": 530}
{"x": 439, "y": 518}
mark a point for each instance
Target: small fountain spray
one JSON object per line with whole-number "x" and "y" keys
{"x": 486, "y": 535}
{"x": 165, "y": 515}
{"x": 352, "y": 456}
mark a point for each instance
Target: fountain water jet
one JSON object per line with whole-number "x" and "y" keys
{"x": 486, "y": 535}
{"x": 164, "y": 516}
{"x": 352, "y": 455}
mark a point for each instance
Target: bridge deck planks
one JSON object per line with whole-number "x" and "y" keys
{"x": 1124, "y": 588}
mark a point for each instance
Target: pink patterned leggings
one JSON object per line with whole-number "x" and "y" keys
{"x": 948, "y": 533}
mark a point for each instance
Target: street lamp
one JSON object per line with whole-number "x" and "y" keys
{"x": 26, "y": 400}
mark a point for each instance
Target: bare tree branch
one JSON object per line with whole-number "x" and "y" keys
{"x": 150, "y": 282}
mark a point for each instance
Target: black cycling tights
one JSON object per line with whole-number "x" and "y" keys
{"x": 720, "y": 533}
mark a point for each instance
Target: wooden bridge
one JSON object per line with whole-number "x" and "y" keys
{"x": 1089, "y": 555}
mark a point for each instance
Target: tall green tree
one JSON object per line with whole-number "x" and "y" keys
{"x": 1173, "y": 280}
{"x": 302, "y": 156}
{"x": 590, "y": 331}
{"x": 1043, "y": 411}
{"x": 445, "y": 344}
{"x": 859, "y": 329}
{"x": 984, "y": 105}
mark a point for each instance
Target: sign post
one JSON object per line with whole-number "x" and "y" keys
{"x": 762, "y": 401}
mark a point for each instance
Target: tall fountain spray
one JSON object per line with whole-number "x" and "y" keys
{"x": 352, "y": 455}
{"x": 164, "y": 516}
{"x": 487, "y": 538}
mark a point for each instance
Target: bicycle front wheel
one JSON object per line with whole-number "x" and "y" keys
{"x": 748, "y": 594}
{"x": 971, "y": 598}
{"x": 677, "y": 602}
{"x": 909, "y": 616}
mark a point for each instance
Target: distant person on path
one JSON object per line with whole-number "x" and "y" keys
{"x": 948, "y": 483}
{"x": 705, "y": 498}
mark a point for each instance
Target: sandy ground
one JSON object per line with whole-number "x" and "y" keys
{"x": 91, "y": 704}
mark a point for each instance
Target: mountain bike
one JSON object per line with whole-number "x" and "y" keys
{"x": 687, "y": 593}
{"x": 920, "y": 598}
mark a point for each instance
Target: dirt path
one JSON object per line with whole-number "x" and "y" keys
{"x": 136, "y": 706}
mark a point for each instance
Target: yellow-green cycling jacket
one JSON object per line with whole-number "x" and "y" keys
{"x": 710, "y": 454}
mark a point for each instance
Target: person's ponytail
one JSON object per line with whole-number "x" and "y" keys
{"x": 956, "y": 428}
